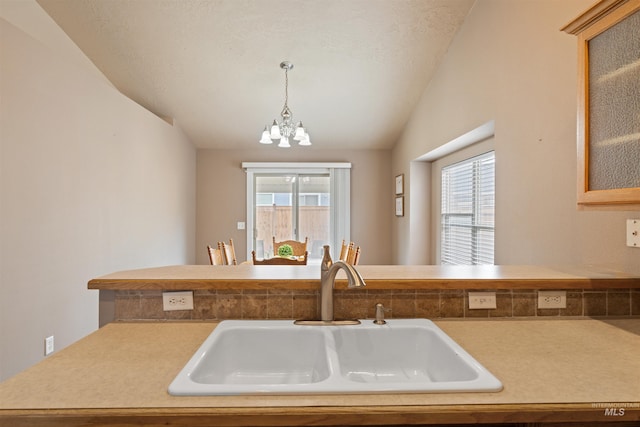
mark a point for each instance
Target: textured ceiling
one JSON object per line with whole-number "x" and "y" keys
{"x": 360, "y": 66}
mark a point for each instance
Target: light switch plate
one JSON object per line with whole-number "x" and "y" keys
{"x": 633, "y": 233}
{"x": 241, "y": 225}
{"x": 49, "y": 346}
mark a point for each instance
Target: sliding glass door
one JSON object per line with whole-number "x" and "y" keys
{"x": 295, "y": 201}
{"x": 292, "y": 207}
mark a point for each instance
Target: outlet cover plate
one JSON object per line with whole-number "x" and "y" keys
{"x": 552, "y": 299}
{"x": 633, "y": 233}
{"x": 478, "y": 300}
{"x": 177, "y": 300}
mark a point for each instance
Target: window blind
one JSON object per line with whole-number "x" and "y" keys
{"x": 468, "y": 211}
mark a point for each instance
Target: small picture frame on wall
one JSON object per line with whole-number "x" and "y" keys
{"x": 400, "y": 206}
{"x": 400, "y": 184}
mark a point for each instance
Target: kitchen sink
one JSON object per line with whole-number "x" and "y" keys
{"x": 279, "y": 357}
{"x": 399, "y": 355}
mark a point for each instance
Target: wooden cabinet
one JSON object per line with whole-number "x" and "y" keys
{"x": 608, "y": 103}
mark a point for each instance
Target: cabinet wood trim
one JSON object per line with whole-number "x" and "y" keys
{"x": 592, "y": 15}
{"x": 589, "y": 24}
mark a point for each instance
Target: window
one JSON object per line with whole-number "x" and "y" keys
{"x": 468, "y": 211}
{"x": 285, "y": 199}
{"x": 310, "y": 199}
{"x": 282, "y": 199}
{"x": 264, "y": 199}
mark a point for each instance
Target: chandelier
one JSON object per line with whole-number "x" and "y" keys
{"x": 287, "y": 129}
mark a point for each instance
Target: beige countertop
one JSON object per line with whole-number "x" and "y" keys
{"x": 552, "y": 370}
{"x": 248, "y": 276}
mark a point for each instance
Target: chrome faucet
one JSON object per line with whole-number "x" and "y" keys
{"x": 328, "y": 271}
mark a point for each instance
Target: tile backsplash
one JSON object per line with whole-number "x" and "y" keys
{"x": 432, "y": 304}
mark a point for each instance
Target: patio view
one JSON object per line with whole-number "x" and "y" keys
{"x": 292, "y": 207}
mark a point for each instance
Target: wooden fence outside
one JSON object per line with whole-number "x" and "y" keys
{"x": 276, "y": 221}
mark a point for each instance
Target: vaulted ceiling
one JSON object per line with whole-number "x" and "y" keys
{"x": 360, "y": 66}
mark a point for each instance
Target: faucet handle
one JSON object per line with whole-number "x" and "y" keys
{"x": 380, "y": 314}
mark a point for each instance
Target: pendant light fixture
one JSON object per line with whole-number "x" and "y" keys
{"x": 286, "y": 129}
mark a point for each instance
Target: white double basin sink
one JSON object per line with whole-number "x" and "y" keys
{"x": 279, "y": 357}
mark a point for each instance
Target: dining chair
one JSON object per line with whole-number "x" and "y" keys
{"x": 344, "y": 251}
{"x": 215, "y": 256}
{"x": 349, "y": 253}
{"x": 228, "y": 253}
{"x": 354, "y": 256}
{"x": 301, "y": 260}
{"x": 299, "y": 248}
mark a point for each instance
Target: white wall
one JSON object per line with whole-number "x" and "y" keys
{"x": 91, "y": 183}
{"x": 511, "y": 63}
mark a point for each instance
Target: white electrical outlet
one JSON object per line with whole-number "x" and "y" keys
{"x": 177, "y": 300}
{"x": 633, "y": 233}
{"x": 552, "y": 299}
{"x": 48, "y": 345}
{"x": 482, "y": 300}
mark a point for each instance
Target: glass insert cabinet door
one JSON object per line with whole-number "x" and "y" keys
{"x": 608, "y": 103}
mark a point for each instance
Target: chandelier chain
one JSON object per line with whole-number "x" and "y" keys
{"x": 286, "y": 88}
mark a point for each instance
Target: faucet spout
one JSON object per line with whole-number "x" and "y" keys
{"x": 328, "y": 272}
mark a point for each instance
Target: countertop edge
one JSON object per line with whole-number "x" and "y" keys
{"x": 323, "y": 415}
{"x": 204, "y": 277}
